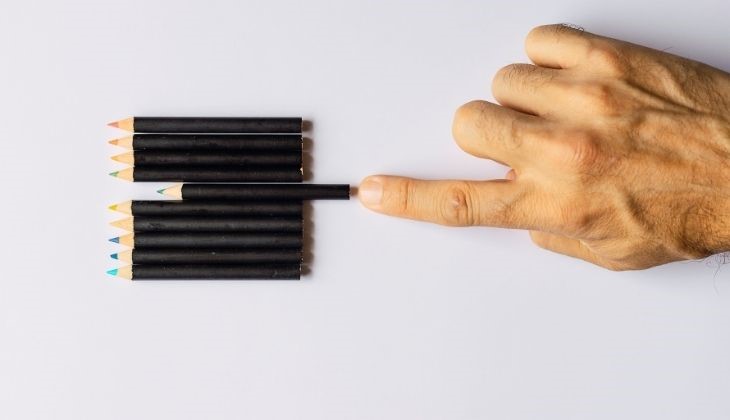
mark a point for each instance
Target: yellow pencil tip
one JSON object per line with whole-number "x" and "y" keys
{"x": 113, "y": 207}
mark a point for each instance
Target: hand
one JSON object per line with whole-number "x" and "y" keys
{"x": 619, "y": 154}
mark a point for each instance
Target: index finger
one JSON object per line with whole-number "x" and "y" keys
{"x": 496, "y": 203}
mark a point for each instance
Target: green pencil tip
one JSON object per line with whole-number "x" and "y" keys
{"x": 115, "y": 256}
{"x": 113, "y": 272}
{"x": 115, "y": 240}
{"x": 161, "y": 191}
{"x": 114, "y": 174}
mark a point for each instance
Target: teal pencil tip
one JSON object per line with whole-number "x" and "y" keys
{"x": 162, "y": 191}
{"x": 113, "y": 272}
{"x": 114, "y": 174}
{"x": 115, "y": 256}
{"x": 115, "y": 240}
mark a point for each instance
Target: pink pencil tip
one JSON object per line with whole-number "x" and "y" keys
{"x": 114, "y": 124}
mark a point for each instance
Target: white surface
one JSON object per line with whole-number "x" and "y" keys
{"x": 399, "y": 320}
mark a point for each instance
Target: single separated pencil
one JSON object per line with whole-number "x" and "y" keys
{"x": 209, "y": 174}
{"x": 258, "y": 191}
{"x": 210, "y": 142}
{"x": 210, "y": 125}
{"x": 217, "y": 224}
{"x": 174, "y": 208}
{"x": 223, "y": 158}
{"x": 209, "y": 256}
{"x": 208, "y": 272}
{"x": 240, "y": 240}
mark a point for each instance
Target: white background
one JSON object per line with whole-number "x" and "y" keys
{"x": 398, "y": 320}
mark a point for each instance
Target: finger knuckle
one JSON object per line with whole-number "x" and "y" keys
{"x": 464, "y": 120}
{"x": 400, "y": 198}
{"x": 457, "y": 205}
{"x": 578, "y": 152}
{"x": 599, "y": 97}
{"x": 509, "y": 75}
{"x": 607, "y": 57}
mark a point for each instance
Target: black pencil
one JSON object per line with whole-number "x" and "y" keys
{"x": 208, "y": 272}
{"x": 208, "y": 256}
{"x": 210, "y": 125}
{"x": 173, "y": 208}
{"x": 210, "y": 240}
{"x": 221, "y": 158}
{"x": 209, "y": 224}
{"x": 209, "y": 174}
{"x": 214, "y": 142}
{"x": 259, "y": 191}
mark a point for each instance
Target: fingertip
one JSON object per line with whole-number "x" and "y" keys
{"x": 370, "y": 191}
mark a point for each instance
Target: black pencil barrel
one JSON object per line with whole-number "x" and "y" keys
{"x": 223, "y": 158}
{"x": 216, "y": 174}
{"x": 217, "y": 256}
{"x": 232, "y": 142}
{"x": 216, "y": 208}
{"x": 266, "y": 191}
{"x": 217, "y": 224}
{"x": 216, "y": 272}
{"x": 216, "y": 125}
{"x": 217, "y": 240}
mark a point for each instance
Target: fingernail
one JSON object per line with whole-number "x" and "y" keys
{"x": 370, "y": 192}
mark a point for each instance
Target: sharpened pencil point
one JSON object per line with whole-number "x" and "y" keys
{"x": 114, "y": 174}
{"x": 113, "y": 272}
{"x": 115, "y": 240}
{"x": 161, "y": 191}
{"x": 114, "y": 124}
{"x": 115, "y": 256}
{"x": 113, "y": 207}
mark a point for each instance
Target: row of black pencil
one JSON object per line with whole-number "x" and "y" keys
{"x": 218, "y": 231}
{"x": 215, "y": 231}
{"x": 211, "y": 149}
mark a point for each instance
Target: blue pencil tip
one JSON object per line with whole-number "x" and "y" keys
{"x": 162, "y": 191}
{"x": 113, "y": 272}
{"x": 115, "y": 256}
{"x": 115, "y": 240}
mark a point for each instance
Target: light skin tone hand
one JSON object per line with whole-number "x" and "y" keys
{"x": 619, "y": 154}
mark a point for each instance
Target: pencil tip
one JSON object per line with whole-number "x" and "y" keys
{"x": 115, "y": 256}
{"x": 113, "y": 207}
{"x": 114, "y": 141}
{"x": 113, "y": 272}
{"x": 161, "y": 191}
{"x": 114, "y": 124}
{"x": 115, "y": 240}
{"x": 114, "y": 174}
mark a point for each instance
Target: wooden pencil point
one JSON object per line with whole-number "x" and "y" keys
{"x": 127, "y": 158}
{"x": 126, "y": 124}
{"x": 123, "y": 272}
{"x": 126, "y": 240}
{"x": 126, "y": 142}
{"x": 124, "y": 256}
{"x": 125, "y": 224}
{"x": 174, "y": 191}
{"x": 124, "y": 207}
{"x": 125, "y": 174}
